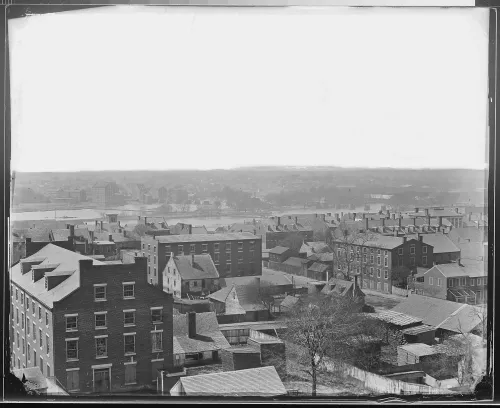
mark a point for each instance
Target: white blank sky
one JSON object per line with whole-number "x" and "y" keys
{"x": 174, "y": 88}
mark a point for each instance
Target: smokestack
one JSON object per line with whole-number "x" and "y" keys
{"x": 429, "y": 220}
{"x": 191, "y": 316}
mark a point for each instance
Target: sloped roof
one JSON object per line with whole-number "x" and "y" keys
{"x": 459, "y": 235}
{"x": 397, "y": 318}
{"x": 279, "y": 250}
{"x": 452, "y": 270}
{"x": 247, "y": 296}
{"x": 293, "y": 261}
{"x": 472, "y": 250}
{"x": 61, "y": 234}
{"x": 440, "y": 313}
{"x": 289, "y": 302}
{"x": 38, "y": 234}
{"x": 318, "y": 267}
{"x": 342, "y": 287}
{"x": 208, "y": 336}
{"x": 322, "y": 257}
{"x": 35, "y": 380}
{"x": 66, "y": 261}
{"x": 203, "y": 267}
{"x": 440, "y": 242}
{"x": 419, "y": 349}
{"x": 262, "y": 381}
{"x": 421, "y": 328}
{"x": 199, "y": 230}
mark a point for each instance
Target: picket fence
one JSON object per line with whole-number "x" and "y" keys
{"x": 400, "y": 291}
{"x": 382, "y": 384}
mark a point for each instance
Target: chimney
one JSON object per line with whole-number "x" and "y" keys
{"x": 426, "y": 212}
{"x": 191, "y": 317}
{"x": 399, "y": 221}
{"x": 192, "y": 259}
{"x": 296, "y": 220}
{"x": 420, "y": 238}
{"x": 456, "y": 210}
{"x": 416, "y": 209}
{"x": 119, "y": 223}
{"x": 366, "y": 224}
{"x": 382, "y": 221}
{"x": 415, "y": 221}
{"x": 139, "y": 217}
{"x": 404, "y": 240}
{"x": 388, "y": 213}
{"x": 71, "y": 230}
{"x": 96, "y": 223}
{"x": 101, "y": 225}
{"x": 440, "y": 222}
{"x": 393, "y": 216}
{"x": 145, "y": 220}
{"x": 110, "y": 238}
{"x": 428, "y": 220}
{"x": 279, "y": 220}
{"x": 354, "y": 216}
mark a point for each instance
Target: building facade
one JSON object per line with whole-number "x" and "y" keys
{"x": 233, "y": 254}
{"x": 95, "y": 327}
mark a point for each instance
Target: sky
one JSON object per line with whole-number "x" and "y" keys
{"x": 160, "y": 88}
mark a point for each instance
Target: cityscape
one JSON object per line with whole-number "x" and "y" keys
{"x": 262, "y": 233}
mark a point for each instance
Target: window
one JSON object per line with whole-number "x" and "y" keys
{"x": 378, "y": 273}
{"x": 47, "y": 343}
{"x": 472, "y": 282}
{"x": 439, "y": 281}
{"x": 240, "y": 258}
{"x": 46, "y": 318}
{"x": 371, "y": 271}
{"x": 101, "y": 346}
{"x": 431, "y": 280}
{"x": 228, "y": 247}
{"x": 180, "y": 249}
{"x": 154, "y": 259}
{"x": 143, "y": 246}
{"x": 371, "y": 250}
{"x": 424, "y": 260}
{"x": 34, "y": 358}
{"x": 412, "y": 261}
{"x": 386, "y": 261}
{"x": 33, "y": 307}
{"x": 338, "y": 267}
{"x": 216, "y": 247}
{"x": 24, "y": 346}
{"x": 216, "y": 257}
{"x": 371, "y": 259}
{"x": 412, "y": 250}
{"x": 424, "y": 249}
{"x": 34, "y": 332}
{"x": 252, "y": 245}
{"x": 462, "y": 281}
{"x": 379, "y": 286}
{"x": 386, "y": 274}
{"x": 28, "y": 326}
{"x": 100, "y": 320}
{"x": 252, "y": 255}
{"x": 129, "y": 343}
{"x": 364, "y": 258}
{"x": 130, "y": 374}
{"x": 17, "y": 294}
{"x": 72, "y": 380}
{"x": 240, "y": 246}
{"x": 378, "y": 260}
{"x": 128, "y": 289}
{"x": 167, "y": 249}
{"x": 22, "y": 320}
{"x": 29, "y": 352}
{"x": 364, "y": 250}
{"x": 149, "y": 247}
{"x": 27, "y": 303}
{"x": 228, "y": 267}
{"x": 39, "y": 313}
{"x": 156, "y": 339}
{"x": 157, "y": 314}
{"x": 204, "y": 248}
{"x": 22, "y": 298}
{"x": 129, "y": 317}
{"x": 99, "y": 292}
{"x": 41, "y": 338}
{"x": 386, "y": 287}
{"x": 41, "y": 364}
{"x": 71, "y": 323}
{"x": 154, "y": 249}
{"x": 378, "y": 251}
{"x": 48, "y": 370}
{"x": 338, "y": 253}
{"x": 400, "y": 251}
{"x": 192, "y": 248}
{"x": 71, "y": 349}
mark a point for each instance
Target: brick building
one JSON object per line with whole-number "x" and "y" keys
{"x": 236, "y": 254}
{"x": 383, "y": 261}
{"x": 105, "y": 193}
{"x": 95, "y": 327}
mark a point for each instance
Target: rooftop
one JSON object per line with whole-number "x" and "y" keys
{"x": 262, "y": 381}
{"x": 166, "y": 239}
{"x": 419, "y": 349}
{"x": 66, "y": 261}
{"x": 398, "y": 319}
{"x": 440, "y": 242}
{"x": 202, "y": 268}
{"x": 452, "y": 270}
{"x": 279, "y": 250}
{"x": 422, "y": 328}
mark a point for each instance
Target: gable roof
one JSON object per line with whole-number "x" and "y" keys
{"x": 453, "y": 270}
{"x": 318, "y": 267}
{"x": 279, "y": 250}
{"x": 289, "y": 302}
{"x": 458, "y": 235}
{"x": 440, "y": 313}
{"x": 66, "y": 261}
{"x": 247, "y": 297}
{"x": 262, "y": 381}
{"x": 203, "y": 267}
{"x": 343, "y": 288}
{"x": 440, "y": 242}
{"x": 293, "y": 261}
{"x": 322, "y": 257}
{"x": 397, "y": 318}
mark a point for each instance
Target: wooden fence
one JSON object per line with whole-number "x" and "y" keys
{"x": 381, "y": 384}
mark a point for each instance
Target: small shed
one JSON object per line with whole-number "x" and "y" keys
{"x": 240, "y": 358}
{"x": 416, "y": 353}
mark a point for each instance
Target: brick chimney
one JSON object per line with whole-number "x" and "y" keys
{"x": 404, "y": 240}
{"x": 191, "y": 318}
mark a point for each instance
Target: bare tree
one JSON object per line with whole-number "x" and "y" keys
{"x": 326, "y": 326}
{"x": 347, "y": 242}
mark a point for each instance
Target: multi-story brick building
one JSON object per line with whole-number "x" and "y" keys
{"x": 105, "y": 193}
{"x": 382, "y": 261}
{"x": 234, "y": 254}
{"x": 95, "y": 327}
{"x": 454, "y": 282}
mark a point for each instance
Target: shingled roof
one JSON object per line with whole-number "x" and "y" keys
{"x": 262, "y": 381}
